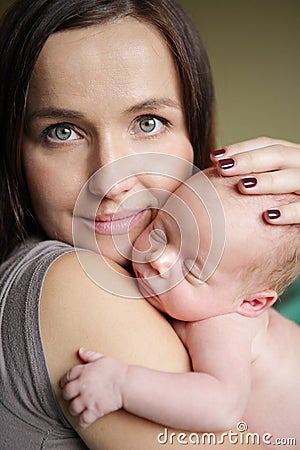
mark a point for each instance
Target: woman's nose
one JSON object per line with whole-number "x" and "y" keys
{"x": 110, "y": 188}
{"x": 115, "y": 176}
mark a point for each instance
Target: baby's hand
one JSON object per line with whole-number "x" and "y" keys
{"x": 94, "y": 389}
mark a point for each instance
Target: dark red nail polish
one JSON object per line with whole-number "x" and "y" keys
{"x": 273, "y": 214}
{"x": 249, "y": 182}
{"x": 218, "y": 153}
{"x": 226, "y": 163}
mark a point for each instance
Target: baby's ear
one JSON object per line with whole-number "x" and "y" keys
{"x": 255, "y": 304}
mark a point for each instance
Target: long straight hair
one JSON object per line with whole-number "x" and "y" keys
{"x": 25, "y": 28}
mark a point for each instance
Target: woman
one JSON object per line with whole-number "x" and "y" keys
{"x": 83, "y": 84}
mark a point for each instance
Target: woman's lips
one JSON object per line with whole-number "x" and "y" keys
{"x": 118, "y": 223}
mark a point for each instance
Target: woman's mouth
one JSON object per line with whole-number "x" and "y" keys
{"x": 119, "y": 223}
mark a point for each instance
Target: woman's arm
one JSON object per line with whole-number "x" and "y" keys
{"x": 75, "y": 312}
{"x": 267, "y": 166}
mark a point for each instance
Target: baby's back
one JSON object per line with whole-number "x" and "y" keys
{"x": 274, "y": 406}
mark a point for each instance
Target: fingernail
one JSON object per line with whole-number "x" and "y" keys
{"x": 249, "y": 182}
{"x": 218, "y": 153}
{"x": 226, "y": 163}
{"x": 273, "y": 214}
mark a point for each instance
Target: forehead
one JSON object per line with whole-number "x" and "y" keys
{"x": 118, "y": 58}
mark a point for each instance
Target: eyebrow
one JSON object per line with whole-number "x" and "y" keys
{"x": 154, "y": 104}
{"x": 54, "y": 113}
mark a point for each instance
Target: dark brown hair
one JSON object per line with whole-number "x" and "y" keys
{"x": 25, "y": 28}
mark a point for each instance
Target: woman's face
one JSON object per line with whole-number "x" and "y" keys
{"x": 98, "y": 94}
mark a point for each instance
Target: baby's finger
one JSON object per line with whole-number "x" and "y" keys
{"x": 72, "y": 374}
{"x": 89, "y": 355}
{"x": 260, "y": 160}
{"x": 86, "y": 419}
{"x": 71, "y": 390}
{"x": 284, "y": 215}
{"x": 76, "y": 407}
{"x": 277, "y": 182}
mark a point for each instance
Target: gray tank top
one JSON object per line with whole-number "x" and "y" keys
{"x": 30, "y": 417}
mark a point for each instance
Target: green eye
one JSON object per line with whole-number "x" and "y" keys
{"x": 59, "y": 134}
{"x": 63, "y": 133}
{"x": 147, "y": 125}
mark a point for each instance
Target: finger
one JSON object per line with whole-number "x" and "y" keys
{"x": 76, "y": 407}
{"x": 88, "y": 355}
{"x": 71, "y": 390}
{"x": 251, "y": 144}
{"x": 265, "y": 159}
{"x": 87, "y": 418}
{"x": 284, "y": 215}
{"x": 72, "y": 374}
{"x": 280, "y": 182}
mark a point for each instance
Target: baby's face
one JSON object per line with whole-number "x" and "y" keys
{"x": 172, "y": 264}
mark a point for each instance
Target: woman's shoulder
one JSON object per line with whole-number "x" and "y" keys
{"x": 97, "y": 303}
{"x": 77, "y": 312}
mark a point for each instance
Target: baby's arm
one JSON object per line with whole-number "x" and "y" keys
{"x": 213, "y": 397}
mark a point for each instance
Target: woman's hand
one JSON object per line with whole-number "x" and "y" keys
{"x": 272, "y": 166}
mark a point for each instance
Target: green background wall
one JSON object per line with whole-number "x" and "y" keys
{"x": 254, "y": 48}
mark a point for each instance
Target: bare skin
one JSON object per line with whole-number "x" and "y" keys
{"x": 221, "y": 328}
{"x": 214, "y": 395}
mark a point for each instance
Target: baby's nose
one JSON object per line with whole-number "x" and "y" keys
{"x": 164, "y": 260}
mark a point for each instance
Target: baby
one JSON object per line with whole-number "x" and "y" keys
{"x": 245, "y": 355}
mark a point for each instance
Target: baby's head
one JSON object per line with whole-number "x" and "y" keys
{"x": 186, "y": 268}
{"x": 272, "y": 253}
